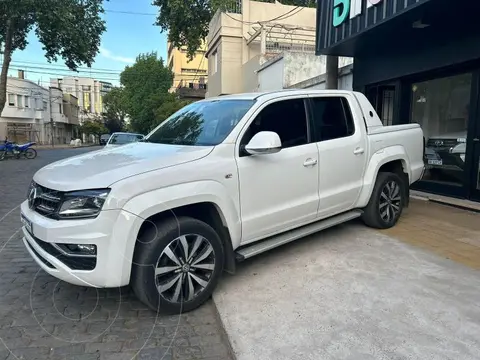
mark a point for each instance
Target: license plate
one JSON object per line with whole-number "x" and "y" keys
{"x": 435, "y": 162}
{"x": 27, "y": 223}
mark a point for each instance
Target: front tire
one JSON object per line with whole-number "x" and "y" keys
{"x": 386, "y": 202}
{"x": 30, "y": 153}
{"x": 177, "y": 264}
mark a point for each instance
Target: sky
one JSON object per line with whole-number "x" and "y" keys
{"x": 130, "y": 31}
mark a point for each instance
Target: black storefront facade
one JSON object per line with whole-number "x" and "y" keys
{"x": 417, "y": 61}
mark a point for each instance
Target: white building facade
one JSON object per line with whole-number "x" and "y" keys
{"x": 35, "y": 113}
{"x": 26, "y": 111}
{"x": 90, "y": 93}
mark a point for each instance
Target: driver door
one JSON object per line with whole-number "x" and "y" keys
{"x": 278, "y": 191}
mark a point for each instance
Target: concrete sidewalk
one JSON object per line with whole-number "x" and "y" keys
{"x": 354, "y": 293}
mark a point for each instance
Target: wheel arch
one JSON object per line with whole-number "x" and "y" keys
{"x": 207, "y": 201}
{"x": 392, "y": 159}
{"x": 207, "y": 212}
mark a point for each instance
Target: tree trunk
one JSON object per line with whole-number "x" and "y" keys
{"x": 332, "y": 72}
{"x": 7, "y": 57}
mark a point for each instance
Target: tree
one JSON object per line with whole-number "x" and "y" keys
{"x": 94, "y": 128}
{"x": 67, "y": 28}
{"x": 167, "y": 105}
{"x": 116, "y": 110}
{"x": 144, "y": 83}
{"x": 187, "y": 20}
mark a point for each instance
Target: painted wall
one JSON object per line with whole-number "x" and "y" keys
{"x": 227, "y": 37}
{"x": 184, "y": 69}
{"x": 271, "y": 77}
{"x": 290, "y": 69}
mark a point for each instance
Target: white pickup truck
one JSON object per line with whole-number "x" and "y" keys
{"x": 221, "y": 180}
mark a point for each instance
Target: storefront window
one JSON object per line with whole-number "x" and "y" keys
{"x": 441, "y": 108}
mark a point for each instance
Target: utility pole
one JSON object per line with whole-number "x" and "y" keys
{"x": 51, "y": 115}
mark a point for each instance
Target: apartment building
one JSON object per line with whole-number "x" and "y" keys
{"x": 189, "y": 76}
{"x": 35, "y": 113}
{"x": 88, "y": 91}
{"x": 247, "y": 36}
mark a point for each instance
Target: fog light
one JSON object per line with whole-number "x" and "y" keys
{"x": 80, "y": 249}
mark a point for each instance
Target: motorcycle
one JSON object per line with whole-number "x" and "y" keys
{"x": 11, "y": 149}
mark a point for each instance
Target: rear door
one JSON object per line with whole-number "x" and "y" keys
{"x": 342, "y": 153}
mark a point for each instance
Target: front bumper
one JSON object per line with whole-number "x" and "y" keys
{"x": 113, "y": 233}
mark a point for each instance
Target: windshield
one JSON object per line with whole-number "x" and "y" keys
{"x": 121, "y": 139}
{"x": 204, "y": 123}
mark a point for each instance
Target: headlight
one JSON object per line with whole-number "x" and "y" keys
{"x": 83, "y": 204}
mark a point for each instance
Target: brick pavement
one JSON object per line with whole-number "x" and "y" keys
{"x": 41, "y": 317}
{"x": 447, "y": 231}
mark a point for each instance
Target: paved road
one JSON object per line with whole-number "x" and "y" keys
{"x": 41, "y": 317}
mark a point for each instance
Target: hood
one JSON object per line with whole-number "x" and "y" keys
{"x": 100, "y": 169}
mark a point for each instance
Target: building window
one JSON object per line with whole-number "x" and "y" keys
{"x": 27, "y": 101}
{"x": 45, "y": 105}
{"x": 441, "y": 107}
{"x": 20, "y": 101}
{"x": 214, "y": 62}
{"x": 11, "y": 100}
{"x": 60, "y": 108}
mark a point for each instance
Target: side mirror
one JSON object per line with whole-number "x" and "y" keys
{"x": 264, "y": 142}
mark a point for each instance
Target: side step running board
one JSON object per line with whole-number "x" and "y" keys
{"x": 278, "y": 240}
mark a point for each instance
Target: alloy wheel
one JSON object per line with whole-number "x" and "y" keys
{"x": 390, "y": 201}
{"x": 184, "y": 268}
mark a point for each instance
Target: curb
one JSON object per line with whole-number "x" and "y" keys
{"x": 64, "y": 147}
{"x": 224, "y": 335}
{"x": 445, "y": 203}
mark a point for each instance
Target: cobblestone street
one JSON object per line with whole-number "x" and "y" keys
{"x": 44, "y": 318}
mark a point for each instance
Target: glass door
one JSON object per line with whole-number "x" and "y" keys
{"x": 475, "y": 193}
{"x": 382, "y": 97}
{"x": 441, "y": 107}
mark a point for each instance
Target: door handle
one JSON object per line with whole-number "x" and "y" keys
{"x": 358, "y": 151}
{"x": 310, "y": 162}
{"x": 476, "y": 140}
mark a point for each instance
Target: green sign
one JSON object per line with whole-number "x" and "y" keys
{"x": 343, "y": 8}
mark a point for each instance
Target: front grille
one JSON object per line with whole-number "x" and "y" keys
{"x": 442, "y": 143}
{"x": 44, "y": 201}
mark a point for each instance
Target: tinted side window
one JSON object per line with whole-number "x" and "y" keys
{"x": 332, "y": 118}
{"x": 287, "y": 118}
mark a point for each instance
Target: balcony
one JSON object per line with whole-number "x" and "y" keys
{"x": 191, "y": 91}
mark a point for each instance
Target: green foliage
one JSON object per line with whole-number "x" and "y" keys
{"x": 70, "y": 29}
{"x": 167, "y": 104}
{"x": 187, "y": 20}
{"x": 145, "y": 92}
{"x": 93, "y": 128}
{"x": 116, "y": 110}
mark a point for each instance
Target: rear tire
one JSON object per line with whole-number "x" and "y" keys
{"x": 386, "y": 202}
{"x": 177, "y": 264}
{"x": 30, "y": 153}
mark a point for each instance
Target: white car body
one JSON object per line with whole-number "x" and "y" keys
{"x": 256, "y": 197}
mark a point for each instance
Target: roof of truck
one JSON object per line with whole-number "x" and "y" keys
{"x": 274, "y": 94}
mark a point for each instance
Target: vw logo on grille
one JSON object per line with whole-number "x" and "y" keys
{"x": 438, "y": 143}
